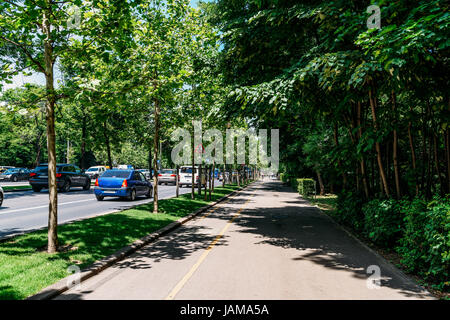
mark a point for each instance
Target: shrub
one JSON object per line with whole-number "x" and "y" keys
{"x": 306, "y": 187}
{"x": 349, "y": 210}
{"x": 284, "y": 177}
{"x": 425, "y": 245}
{"x": 383, "y": 222}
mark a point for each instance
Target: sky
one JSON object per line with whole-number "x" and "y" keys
{"x": 38, "y": 78}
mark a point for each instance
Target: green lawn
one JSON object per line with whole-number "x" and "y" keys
{"x": 25, "y": 267}
{"x": 326, "y": 202}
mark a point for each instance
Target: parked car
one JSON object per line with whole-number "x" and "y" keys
{"x": 167, "y": 176}
{"x": 67, "y": 176}
{"x": 4, "y": 168}
{"x": 185, "y": 178}
{"x": 124, "y": 184}
{"x": 95, "y": 172}
{"x": 2, "y": 196}
{"x": 15, "y": 174}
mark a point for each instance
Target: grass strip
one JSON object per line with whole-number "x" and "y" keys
{"x": 25, "y": 267}
{"x": 14, "y": 188}
{"x": 326, "y": 202}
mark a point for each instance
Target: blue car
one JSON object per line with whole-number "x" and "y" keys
{"x": 127, "y": 184}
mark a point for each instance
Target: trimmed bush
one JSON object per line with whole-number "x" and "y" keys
{"x": 305, "y": 187}
{"x": 383, "y": 222}
{"x": 425, "y": 245}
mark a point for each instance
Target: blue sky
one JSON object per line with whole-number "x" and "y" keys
{"x": 20, "y": 79}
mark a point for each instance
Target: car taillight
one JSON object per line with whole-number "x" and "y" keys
{"x": 160, "y": 175}
{"x": 196, "y": 178}
{"x": 96, "y": 182}
{"x": 58, "y": 175}
{"x": 32, "y": 174}
{"x": 125, "y": 184}
{"x": 173, "y": 175}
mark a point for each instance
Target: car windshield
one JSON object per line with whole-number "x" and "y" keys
{"x": 168, "y": 171}
{"x": 116, "y": 174}
{"x": 92, "y": 169}
{"x": 186, "y": 170}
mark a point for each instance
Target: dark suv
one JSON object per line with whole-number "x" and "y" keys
{"x": 67, "y": 176}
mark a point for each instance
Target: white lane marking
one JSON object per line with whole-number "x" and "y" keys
{"x": 46, "y": 206}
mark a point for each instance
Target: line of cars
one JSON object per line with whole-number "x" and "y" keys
{"x": 14, "y": 174}
{"x": 123, "y": 182}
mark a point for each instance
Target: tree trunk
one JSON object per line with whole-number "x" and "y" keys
{"x": 108, "y": 144}
{"x": 336, "y": 143}
{"x": 155, "y": 155}
{"x": 436, "y": 163}
{"x": 362, "y": 162}
{"x": 177, "y": 181}
{"x": 193, "y": 172}
{"x": 447, "y": 154}
{"x": 51, "y": 136}
{"x": 322, "y": 187}
{"x": 223, "y": 176}
{"x": 377, "y": 144}
{"x": 214, "y": 174}
{"x": 199, "y": 186}
{"x": 413, "y": 155}
{"x": 395, "y": 147}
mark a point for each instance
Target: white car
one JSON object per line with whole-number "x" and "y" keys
{"x": 2, "y": 195}
{"x": 186, "y": 176}
{"x": 95, "y": 172}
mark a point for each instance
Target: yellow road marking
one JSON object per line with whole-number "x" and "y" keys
{"x": 185, "y": 279}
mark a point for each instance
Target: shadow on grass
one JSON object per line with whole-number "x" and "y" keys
{"x": 25, "y": 267}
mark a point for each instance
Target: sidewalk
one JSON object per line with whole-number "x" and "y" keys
{"x": 265, "y": 243}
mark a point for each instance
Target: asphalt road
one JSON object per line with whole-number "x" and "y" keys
{"x": 265, "y": 243}
{"x": 25, "y": 210}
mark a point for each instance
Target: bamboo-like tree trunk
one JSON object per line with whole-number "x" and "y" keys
{"x": 395, "y": 146}
{"x": 362, "y": 162}
{"x": 377, "y": 144}
{"x": 413, "y": 155}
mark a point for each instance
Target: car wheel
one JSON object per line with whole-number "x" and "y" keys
{"x": 132, "y": 196}
{"x": 14, "y": 179}
{"x": 36, "y": 189}
{"x": 87, "y": 186}
{"x": 100, "y": 198}
{"x": 1, "y": 199}
{"x": 66, "y": 186}
{"x": 148, "y": 195}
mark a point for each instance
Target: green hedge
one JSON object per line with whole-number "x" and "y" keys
{"x": 417, "y": 229}
{"x": 305, "y": 187}
{"x": 425, "y": 245}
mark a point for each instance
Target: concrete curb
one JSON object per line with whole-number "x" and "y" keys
{"x": 100, "y": 265}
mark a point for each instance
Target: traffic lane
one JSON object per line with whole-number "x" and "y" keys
{"x": 26, "y": 211}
